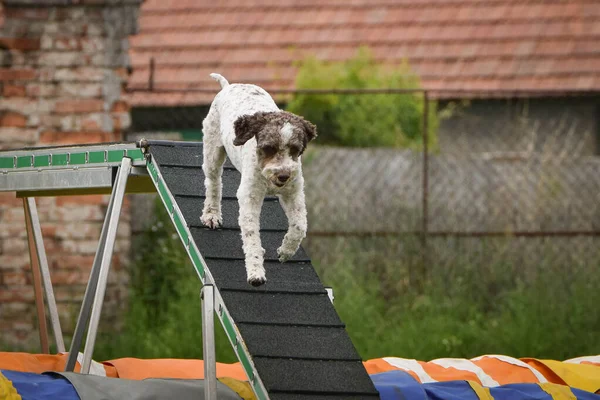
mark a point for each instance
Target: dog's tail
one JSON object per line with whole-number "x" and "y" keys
{"x": 219, "y": 78}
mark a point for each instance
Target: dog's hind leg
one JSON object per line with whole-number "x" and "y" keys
{"x": 214, "y": 157}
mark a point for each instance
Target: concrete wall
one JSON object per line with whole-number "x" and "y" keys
{"x": 566, "y": 125}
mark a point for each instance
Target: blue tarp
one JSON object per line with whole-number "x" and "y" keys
{"x": 41, "y": 387}
{"x": 393, "y": 385}
{"x": 399, "y": 385}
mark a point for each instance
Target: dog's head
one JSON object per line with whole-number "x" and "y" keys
{"x": 281, "y": 138}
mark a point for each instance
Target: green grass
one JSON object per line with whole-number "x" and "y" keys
{"x": 476, "y": 299}
{"x": 535, "y": 321}
{"x": 552, "y": 315}
{"x": 163, "y": 317}
{"x": 177, "y": 334}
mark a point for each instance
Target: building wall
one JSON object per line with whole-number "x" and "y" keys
{"x": 63, "y": 66}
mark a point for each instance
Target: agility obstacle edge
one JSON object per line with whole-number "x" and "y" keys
{"x": 286, "y": 334}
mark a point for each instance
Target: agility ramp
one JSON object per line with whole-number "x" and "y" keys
{"x": 286, "y": 333}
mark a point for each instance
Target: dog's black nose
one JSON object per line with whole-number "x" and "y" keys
{"x": 283, "y": 177}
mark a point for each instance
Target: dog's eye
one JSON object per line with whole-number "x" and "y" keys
{"x": 268, "y": 151}
{"x": 294, "y": 151}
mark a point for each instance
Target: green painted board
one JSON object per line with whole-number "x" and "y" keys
{"x": 96, "y": 157}
{"x": 162, "y": 190}
{"x": 135, "y": 154}
{"x": 180, "y": 228}
{"x": 115, "y": 155}
{"x": 24, "y": 161}
{"x": 153, "y": 172}
{"x": 244, "y": 360}
{"x": 7, "y": 162}
{"x": 259, "y": 392}
{"x": 230, "y": 330}
{"x": 59, "y": 159}
{"x": 41, "y": 161}
{"x": 77, "y": 159}
{"x": 197, "y": 262}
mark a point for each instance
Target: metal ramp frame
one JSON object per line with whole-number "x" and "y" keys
{"x": 286, "y": 333}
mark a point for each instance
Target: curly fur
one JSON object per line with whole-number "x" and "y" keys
{"x": 265, "y": 144}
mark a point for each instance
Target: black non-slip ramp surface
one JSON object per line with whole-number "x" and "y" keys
{"x": 298, "y": 343}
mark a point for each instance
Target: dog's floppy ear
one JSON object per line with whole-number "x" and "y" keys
{"x": 248, "y": 126}
{"x": 310, "y": 130}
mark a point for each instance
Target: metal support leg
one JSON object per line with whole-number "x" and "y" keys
{"x": 37, "y": 283}
{"x": 90, "y": 292}
{"x": 208, "y": 342}
{"x": 105, "y": 248}
{"x": 33, "y": 222}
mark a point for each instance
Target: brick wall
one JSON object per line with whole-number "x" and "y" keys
{"x": 63, "y": 64}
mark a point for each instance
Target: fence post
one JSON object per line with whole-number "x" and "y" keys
{"x": 422, "y": 272}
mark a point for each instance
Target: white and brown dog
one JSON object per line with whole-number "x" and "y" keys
{"x": 264, "y": 143}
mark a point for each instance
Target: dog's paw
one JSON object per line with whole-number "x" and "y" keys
{"x": 257, "y": 281}
{"x": 284, "y": 254}
{"x": 256, "y": 278}
{"x": 211, "y": 220}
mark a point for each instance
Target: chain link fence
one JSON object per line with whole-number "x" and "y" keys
{"x": 510, "y": 183}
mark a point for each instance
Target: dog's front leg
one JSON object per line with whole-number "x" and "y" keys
{"x": 295, "y": 209}
{"x": 250, "y": 198}
{"x": 214, "y": 157}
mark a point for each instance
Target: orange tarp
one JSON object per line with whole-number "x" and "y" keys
{"x": 490, "y": 370}
{"x": 134, "y": 368}
{"x": 496, "y": 370}
{"x": 505, "y": 373}
{"x": 38, "y": 363}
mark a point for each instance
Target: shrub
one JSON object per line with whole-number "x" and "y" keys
{"x": 373, "y": 120}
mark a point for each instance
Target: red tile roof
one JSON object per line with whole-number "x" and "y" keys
{"x": 450, "y": 44}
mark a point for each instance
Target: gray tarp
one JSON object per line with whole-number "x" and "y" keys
{"x": 92, "y": 387}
